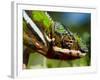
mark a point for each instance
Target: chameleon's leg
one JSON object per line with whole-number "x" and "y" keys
{"x": 26, "y": 53}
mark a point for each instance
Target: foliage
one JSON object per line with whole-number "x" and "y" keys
{"x": 42, "y": 18}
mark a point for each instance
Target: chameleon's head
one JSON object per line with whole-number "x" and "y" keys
{"x": 69, "y": 43}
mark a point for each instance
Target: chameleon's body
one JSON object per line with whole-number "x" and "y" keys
{"x": 32, "y": 42}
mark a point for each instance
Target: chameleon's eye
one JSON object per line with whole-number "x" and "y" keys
{"x": 71, "y": 41}
{"x": 66, "y": 41}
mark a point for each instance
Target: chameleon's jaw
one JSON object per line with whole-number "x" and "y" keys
{"x": 83, "y": 54}
{"x": 77, "y": 53}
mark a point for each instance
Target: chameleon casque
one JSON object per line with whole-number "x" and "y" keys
{"x": 41, "y": 34}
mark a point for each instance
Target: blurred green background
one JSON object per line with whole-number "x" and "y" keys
{"x": 78, "y": 23}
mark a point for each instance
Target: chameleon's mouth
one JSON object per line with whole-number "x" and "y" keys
{"x": 77, "y": 53}
{"x": 83, "y": 54}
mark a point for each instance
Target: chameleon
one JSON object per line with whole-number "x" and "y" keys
{"x": 47, "y": 37}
